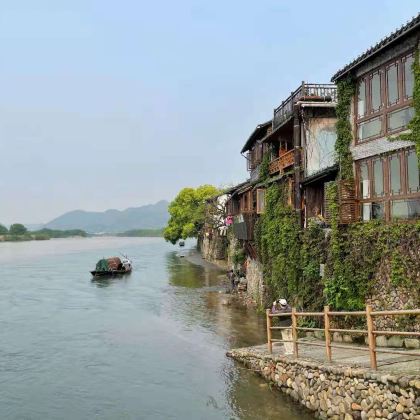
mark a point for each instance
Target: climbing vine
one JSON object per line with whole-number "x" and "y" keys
{"x": 414, "y": 124}
{"x": 264, "y": 167}
{"x": 345, "y": 92}
{"x": 356, "y": 252}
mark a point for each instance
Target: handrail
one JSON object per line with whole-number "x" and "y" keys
{"x": 317, "y": 91}
{"x": 371, "y": 331}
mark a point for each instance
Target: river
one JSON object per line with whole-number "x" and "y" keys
{"x": 150, "y": 345}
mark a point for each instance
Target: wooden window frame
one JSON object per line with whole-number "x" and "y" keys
{"x": 385, "y": 108}
{"x": 387, "y": 198}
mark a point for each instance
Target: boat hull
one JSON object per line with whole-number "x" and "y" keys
{"x": 110, "y": 273}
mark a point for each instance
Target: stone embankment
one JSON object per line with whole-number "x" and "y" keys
{"x": 335, "y": 391}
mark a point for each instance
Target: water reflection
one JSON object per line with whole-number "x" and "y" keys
{"x": 107, "y": 281}
{"x": 198, "y": 300}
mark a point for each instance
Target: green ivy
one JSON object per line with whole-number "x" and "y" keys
{"x": 290, "y": 256}
{"x": 264, "y": 167}
{"x": 345, "y": 92}
{"x": 414, "y": 124}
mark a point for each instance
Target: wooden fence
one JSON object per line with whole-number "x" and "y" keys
{"x": 326, "y": 316}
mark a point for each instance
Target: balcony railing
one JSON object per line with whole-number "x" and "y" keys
{"x": 306, "y": 92}
{"x": 282, "y": 162}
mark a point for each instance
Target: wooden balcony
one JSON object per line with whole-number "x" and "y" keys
{"x": 310, "y": 92}
{"x": 283, "y": 162}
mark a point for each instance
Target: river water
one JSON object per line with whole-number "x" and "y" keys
{"x": 150, "y": 345}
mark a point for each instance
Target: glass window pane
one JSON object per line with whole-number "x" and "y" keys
{"x": 361, "y": 99}
{"x": 373, "y": 211}
{"x": 364, "y": 180}
{"x": 378, "y": 211}
{"x": 406, "y": 209}
{"x": 366, "y": 211}
{"x": 409, "y": 76}
{"x": 413, "y": 172}
{"x": 392, "y": 84}
{"x": 399, "y": 119}
{"x": 378, "y": 178}
{"x": 376, "y": 92}
{"x": 370, "y": 128}
{"x": 395, "y": 175}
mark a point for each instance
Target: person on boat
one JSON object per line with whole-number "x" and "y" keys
{"x": 281, "y": 306}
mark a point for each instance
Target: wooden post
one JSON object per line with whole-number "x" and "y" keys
{"x": 269, "y": 324}
{"x": 294, "y": 333}
{"x": 371, "y": 337}
{"x": 327, "y": 332}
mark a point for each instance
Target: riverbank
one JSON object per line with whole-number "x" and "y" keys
{"x": 344, "y": 389}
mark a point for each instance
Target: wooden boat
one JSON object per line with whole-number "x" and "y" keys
{"x": 112, "y": 267}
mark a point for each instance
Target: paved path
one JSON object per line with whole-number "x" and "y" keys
{"x": 350, "y": 357}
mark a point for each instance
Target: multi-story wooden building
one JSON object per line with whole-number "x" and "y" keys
{"x": 386, "y": 169}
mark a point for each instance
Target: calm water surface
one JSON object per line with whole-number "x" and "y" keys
{"x": 147, "y": 346}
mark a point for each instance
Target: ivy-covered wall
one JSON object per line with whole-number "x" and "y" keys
{"x": 353, "y": 256}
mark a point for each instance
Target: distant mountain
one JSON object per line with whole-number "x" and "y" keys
{"x": 152, "y": 216}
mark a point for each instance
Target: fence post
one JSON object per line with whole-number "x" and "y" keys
{"x": 371, "y": 338}
{"x": 294, "y": 333}
{"x": 269, "y": 324}
{"x": 327, "y": 332}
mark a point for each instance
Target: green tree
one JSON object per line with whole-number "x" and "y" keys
{"x": 187, "y": 213}
{"x": 17, "y": 229}
{"x": 3, "y": 230}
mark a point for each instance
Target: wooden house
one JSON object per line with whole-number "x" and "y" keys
{"x": 385, "y": 167}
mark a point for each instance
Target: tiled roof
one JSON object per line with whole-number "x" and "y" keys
{"x": 254, "y": 135}
{"x": 394, "y": 36}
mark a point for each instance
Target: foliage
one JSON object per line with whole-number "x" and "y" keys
{"x": 140, "y": 233}
{"x": 17, "y": 229}
{"x": 345, "y": 92}
{"x": 356, "y": 252}
{"x": 414, "y": 124}
{"x": 264, "y": 167}
{"x": 3, "y": 230}
{"x": 238, "y": 257}
{"x": 187, "y": 213}
{"x": 278, "y": 242}
{"x": 56, "y": 233}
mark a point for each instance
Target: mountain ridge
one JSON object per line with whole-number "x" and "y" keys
{"x": 149, "y": 216}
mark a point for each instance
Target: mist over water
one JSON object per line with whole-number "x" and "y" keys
{"x": 150, "y": 345}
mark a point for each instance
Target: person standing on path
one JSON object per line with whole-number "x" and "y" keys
{"x": 281, "y": 306}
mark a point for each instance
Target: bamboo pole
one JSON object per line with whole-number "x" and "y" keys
{"x": 269, "y": 322}
{"x": 294, "y": 333}
{"x": 327, "y": 332}
{"x": 371, "y": 337}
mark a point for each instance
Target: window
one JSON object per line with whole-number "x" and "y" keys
{"x": 408, "y": 76}
{"x": 395, "y": 174}
{"x": 384, "y": 100}
{"x": 361, "y": 100}
{"x": 260, "y": 201}
{"x": 375, "y": 92}
{"x": 392, "y": 84}
{"x": 364, "y": 180}
{"x": 388, "y": 188}
{"x": 371, "y": 128}
{"x": 378, "y": 178}
{"x": 406, "y": 209}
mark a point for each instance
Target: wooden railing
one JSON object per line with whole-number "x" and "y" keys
{"x": 281, "y": 163}
{"x": 326, "y": 316}
{"x": 305, "y": 92}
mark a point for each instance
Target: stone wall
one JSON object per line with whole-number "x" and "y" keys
{"x": 256, "y": 289}
{"x": 213, "y": 247}
{"x": 338, "y": 392}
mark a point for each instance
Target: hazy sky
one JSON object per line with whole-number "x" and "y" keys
{"x": 115, "y": 104}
